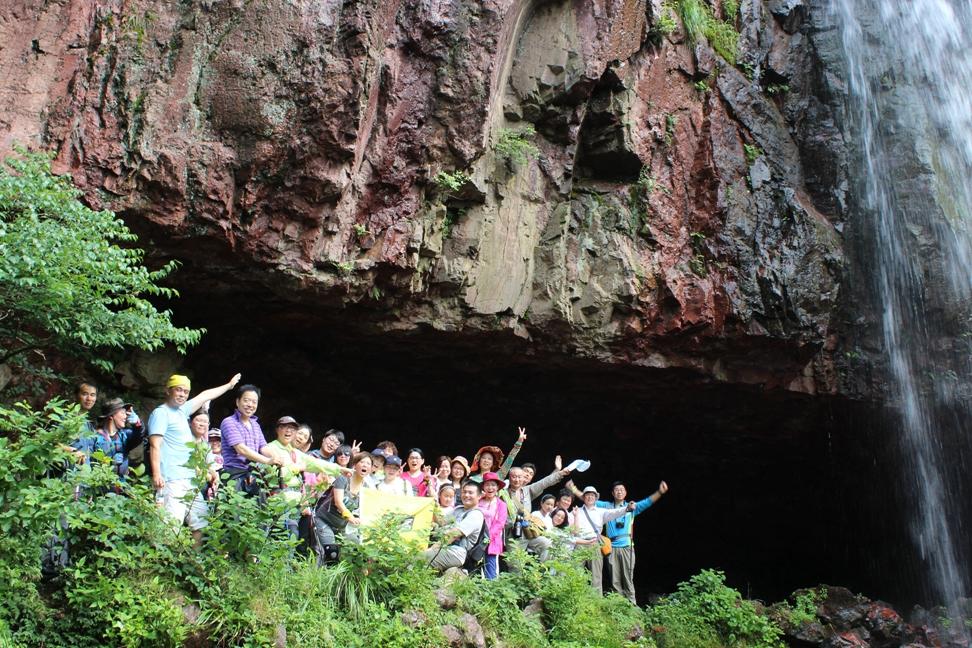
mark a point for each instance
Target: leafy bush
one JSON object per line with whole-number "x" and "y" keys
{"x": 451, "y": 182}
{"x": 705, "y": 613}
{"x": 514, "y": 145}
{"x": 66, "y": 281}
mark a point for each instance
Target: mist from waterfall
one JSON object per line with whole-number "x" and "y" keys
{"x": 909, "y": 81}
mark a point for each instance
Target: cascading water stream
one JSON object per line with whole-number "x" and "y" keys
{"x": 910, "y": 113}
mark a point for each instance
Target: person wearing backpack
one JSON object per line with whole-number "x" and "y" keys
{"x": 464, "y": 536}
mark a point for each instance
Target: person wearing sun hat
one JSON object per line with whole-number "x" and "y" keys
{"x": 117, "y": 431}
{"x": 490, "y": 459}
{"x": 495, "y": 511}
{"x": 170, "y": 443}
{"x": 589, "y": 520}
{"x": 460, "y": 471}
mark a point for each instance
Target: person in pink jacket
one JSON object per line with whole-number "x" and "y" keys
{"x": 494, "y": 510}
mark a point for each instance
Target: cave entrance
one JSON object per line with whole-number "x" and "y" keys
{"x": 765, "y": 485}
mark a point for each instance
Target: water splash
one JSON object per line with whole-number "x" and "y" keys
{"x": 909, "y": 75}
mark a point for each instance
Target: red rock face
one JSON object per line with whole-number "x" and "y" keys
{"x": 677, "y": 214}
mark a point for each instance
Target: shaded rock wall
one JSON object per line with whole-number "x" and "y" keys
{"x": 292, "y": 147}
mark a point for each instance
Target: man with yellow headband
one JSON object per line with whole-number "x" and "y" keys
{"x": 170, "y": 440}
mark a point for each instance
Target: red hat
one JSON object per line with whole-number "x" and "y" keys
{"x": 493, "y": 450}
{"x": 491, "y": 476}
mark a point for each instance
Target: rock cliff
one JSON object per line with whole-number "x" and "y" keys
{"x": 672, "y": 209}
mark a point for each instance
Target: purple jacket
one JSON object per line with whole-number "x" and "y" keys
{"x": 235, "y": 432}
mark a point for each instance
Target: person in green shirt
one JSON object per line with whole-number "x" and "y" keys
{"x": 294, "y": 464}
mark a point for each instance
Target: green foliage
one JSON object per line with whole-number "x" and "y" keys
{"x": 514, "y": 145}
{"x": 666, "y": 22}
{"x": 451, "y": 182}
{"x": 700, "y": 22}
{"x": 701, "y": 86}
{"x": 360, "y": 230}
{"x": 752, "y": 152}
{"x": 729, "y": 9}
{"x": 705, "y": 613}
{"x": 66, "y": 281}
{"x": 344, "y": 268}
{"x": 671, "y": 123}
{"x": 778, "y": 88}
{"x": 804, "y": 608}
{"x": 573, "y": 613}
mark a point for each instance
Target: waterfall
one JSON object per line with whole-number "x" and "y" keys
{"x": 909, "y": 77}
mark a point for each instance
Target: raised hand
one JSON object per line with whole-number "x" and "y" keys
{"x": 522, "y": 432}
{"x": 235, "y": 380}
{"x": 355, "y": 447}
{"x": 663, "y": 488}
{"x": 558, "y": 462}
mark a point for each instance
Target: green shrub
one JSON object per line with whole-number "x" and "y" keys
{"x": 450, "y": 182}
{"x": 705, "y": 613}
{"x": 68, "y": 279}
{"x": 752, "y": 152}
{"x": 514, "y": 145}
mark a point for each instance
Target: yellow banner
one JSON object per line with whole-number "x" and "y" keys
{"x": 417, "y": 510}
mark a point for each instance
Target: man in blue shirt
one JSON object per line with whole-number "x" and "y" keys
{"x": 171, "y": 442}
{"x": 621, "y": 533}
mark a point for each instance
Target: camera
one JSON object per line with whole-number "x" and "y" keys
{"x": 619, "y": 524}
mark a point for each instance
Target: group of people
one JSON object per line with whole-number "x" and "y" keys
{"x": 483, "y": 508}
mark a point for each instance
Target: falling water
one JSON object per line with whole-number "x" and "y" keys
{"x": 910, "y": 111}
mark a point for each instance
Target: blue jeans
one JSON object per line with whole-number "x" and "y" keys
{"x": 492, "y": 567}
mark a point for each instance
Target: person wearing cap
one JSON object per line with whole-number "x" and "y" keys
{"x": 292, "y": 464}
{"x": 458, "y": 472}
{"x": 589, "y": 520}
{"x": 117, "y": 431}
{"x": 488, "y": 458}
{"x": 621, "y": 533}
{"x": 393, "y": 484}
{"x": 170, "y": 442}
{"x": 462, "y": 534}
{"x": 216, "y": 445}
{"x": 243, "y": 441}
{"x": 495, "y": 511}
{"x": 377, "y": 467}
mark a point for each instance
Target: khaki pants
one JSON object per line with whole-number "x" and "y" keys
{"x": 597, "y": 569}
{"x": 622, "y": 571}
{"x": 444, "y": 558}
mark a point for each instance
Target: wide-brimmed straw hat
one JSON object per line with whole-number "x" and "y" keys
{"x": 462, "y": 462}
{"x": 498, "y": 456}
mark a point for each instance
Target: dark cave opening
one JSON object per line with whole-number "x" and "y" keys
{"x": 779, "y": 490}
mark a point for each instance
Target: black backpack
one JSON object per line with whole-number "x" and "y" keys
{"x": 476, "y": 553}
